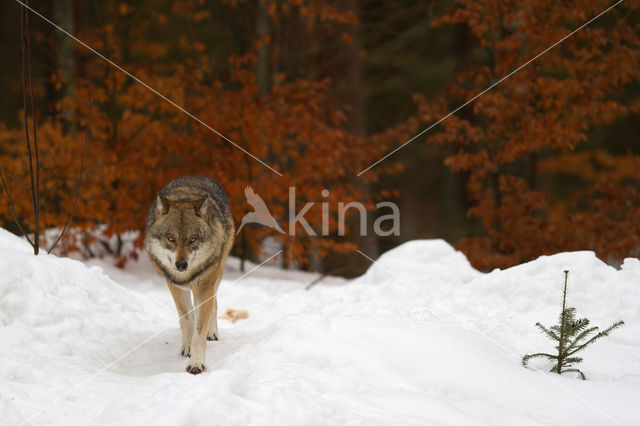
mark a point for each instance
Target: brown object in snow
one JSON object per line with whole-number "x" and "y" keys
{"x": 235, "y": 314}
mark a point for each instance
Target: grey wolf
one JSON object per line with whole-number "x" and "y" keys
{"x": 261, "y": 213}
{"x": 189, "y": 234}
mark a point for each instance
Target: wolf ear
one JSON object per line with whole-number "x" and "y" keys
{"x": 163, "y": 204}
{"x": 200, "y": 206}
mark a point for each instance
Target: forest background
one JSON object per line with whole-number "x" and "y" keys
{"x": 547, "y": 161}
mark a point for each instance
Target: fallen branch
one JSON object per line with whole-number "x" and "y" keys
{"x": 322, "y": 276}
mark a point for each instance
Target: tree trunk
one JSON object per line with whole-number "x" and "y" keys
{"x": 63, "y": 15}
{"x": 263, "y": 28}
{"x": 532, "y": 174}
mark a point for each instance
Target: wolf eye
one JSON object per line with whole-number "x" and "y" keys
{"x": 170, "y": 238}
{"x": 193, "y": 239}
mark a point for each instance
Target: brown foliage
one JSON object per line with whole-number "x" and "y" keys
{"x": 139, "y": 142}
{"x": 534, "y": 127}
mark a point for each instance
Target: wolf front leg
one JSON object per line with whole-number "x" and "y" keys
{"x": 203, "y": 298}
{"x": 182, "y": 299}
{"x": 212, "y": 333}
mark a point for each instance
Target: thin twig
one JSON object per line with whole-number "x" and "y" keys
{"x": 76, "y": 194}
{"x": 36, "y": 210}
{"x": 16, "y": 180}
{"x": 26, "y": 120}
{"x": 13, "y": 212}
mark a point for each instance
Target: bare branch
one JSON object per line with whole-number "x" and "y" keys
{"x": 16, "y": 180}
{"x": 36, "y": 190}
{"x": 24, "y": 102}
{"x": 36, "y": 237}
{"x": 26, "y": 59}
{"x": 76, "y": 194}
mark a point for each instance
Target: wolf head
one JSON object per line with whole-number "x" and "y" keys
{"x": 181, "y": 238}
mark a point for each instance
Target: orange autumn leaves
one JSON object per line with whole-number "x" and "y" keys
{"x": 537, "y": 184}
{"x": 537, "y": 179}
{"x": 138, "y": 142}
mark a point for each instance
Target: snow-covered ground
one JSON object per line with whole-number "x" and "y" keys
{"x": 422, "y": 338}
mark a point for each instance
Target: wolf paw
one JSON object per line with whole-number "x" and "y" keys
{"x": 185, "y": 350}
{"x": 195, "y": 368}
{"x": 212, "y": 336}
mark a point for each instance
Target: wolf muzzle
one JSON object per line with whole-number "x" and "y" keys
{"x": 181, "y": 265}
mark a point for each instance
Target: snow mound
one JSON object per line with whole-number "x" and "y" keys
{"x": 421, "y": 338}
{"x": 59, "y": 294}
{"x": 56, "y": 316}
{"x": 424, "y": 261}
{"x": 11, "y": 241}
{"x": 534, "y": 290}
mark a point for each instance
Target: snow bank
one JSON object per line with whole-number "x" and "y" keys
{"x": 421, "y": 338}
{"x": 423, "y": 261}
{"x": 59, "y": 321}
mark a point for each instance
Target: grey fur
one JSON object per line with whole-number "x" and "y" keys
{"x": 189, "y": 234}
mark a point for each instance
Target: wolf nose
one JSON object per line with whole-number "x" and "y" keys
{"x": 181, "y": 265}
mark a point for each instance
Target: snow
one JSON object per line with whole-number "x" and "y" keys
{"x": 421, "y": 339}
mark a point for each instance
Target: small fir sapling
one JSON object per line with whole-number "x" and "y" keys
{"x": 571, "y": 335}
